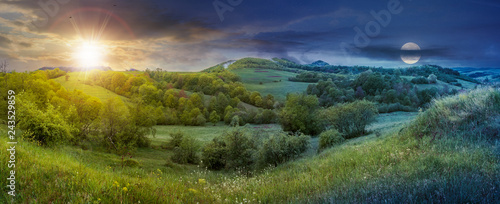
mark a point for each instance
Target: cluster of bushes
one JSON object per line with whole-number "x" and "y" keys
{"x": 242, "y": 150}
{"x": 313, "y": 77}
{"x": 378, "y": 88}
{"x": 302, "y": 113}
{"x": 393, "y": 107}
{"x": 350, "y": 119}
{"x": 419, "y": 80}
{"x": 238, "y": 149}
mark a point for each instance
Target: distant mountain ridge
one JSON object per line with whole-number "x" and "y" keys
{"x": 319, "y": 63}
{"x": 77, "y": 69}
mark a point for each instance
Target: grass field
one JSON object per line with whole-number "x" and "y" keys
{"x": 75, "y": 81}
{"x": 274, "y": 82}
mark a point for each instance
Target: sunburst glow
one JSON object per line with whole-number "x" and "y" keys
{"x": 89, "y": 54}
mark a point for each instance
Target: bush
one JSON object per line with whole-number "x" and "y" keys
{"x": 329, "y": 138}
{"x": 238, "y": 150}
{"x": 47, "y": 126}
{"x": 300, "y": 114}
{"x": 281, "y": 147}
{"x": 187, "y": 151}
{"x": 420, "y": 80}
{"x": 175, "y": 141}
{"x": 351, "y": 119}
{"x": 432, "y": 79}
{"x": 131, "y": 163}
{"x": 393, "y": 107}
{"x": 214, "y": 154}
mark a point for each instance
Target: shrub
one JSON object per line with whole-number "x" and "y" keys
{"x": 432, "y": 79}
{"x": 187, "y": 151}
{"x": 176, "y": 140}
{"x": 329, "y": 138}
{"x": 420, "y": 80}
{"x": 240, "y": 148}
{"x": 214, "y": 154}
{"x": 131, "y": 163}
{"x": 300, "y": 114}
{"x": 281, "y": 147}
{"x": 47, "y": 126}
{"x": 351, "y": 119}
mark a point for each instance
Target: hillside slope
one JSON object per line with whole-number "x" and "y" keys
{"x": 412, "y": 165}
{"x": 76, "y": 81}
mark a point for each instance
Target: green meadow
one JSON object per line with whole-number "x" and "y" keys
{"x": 269, "y": 81}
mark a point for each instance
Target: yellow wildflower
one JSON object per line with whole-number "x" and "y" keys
{"x": 192, "y": 191}
{"x": 125, "y": 189}
{"x": 202, "y": 181}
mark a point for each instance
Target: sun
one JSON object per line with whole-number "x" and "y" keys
{"x": 89, "y": 54}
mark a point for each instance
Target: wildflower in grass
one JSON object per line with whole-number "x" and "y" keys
{"x": 125, "y": 189}
{"x": 192, "y": 190}
{"x": 202, "y": 181}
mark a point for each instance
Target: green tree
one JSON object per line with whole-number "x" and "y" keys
{"x": 214, "y": 117}
{"x": 46, "y": 126}
{"x": 115, "y": 119}
{"x": 299, "y": 114}
{"x": 351, "y": 119}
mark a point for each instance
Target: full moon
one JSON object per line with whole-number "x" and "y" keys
{"x": 410, "y": 53}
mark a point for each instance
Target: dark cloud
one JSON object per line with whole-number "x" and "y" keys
{"x": 169, "y": 31}
{"x": 5, "y": 42}
{"x": 25, "y": 44}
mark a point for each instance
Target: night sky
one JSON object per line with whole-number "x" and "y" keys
{"x": 193, "y": 35}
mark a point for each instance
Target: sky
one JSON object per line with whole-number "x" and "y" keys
{"x": 192, "y": 35}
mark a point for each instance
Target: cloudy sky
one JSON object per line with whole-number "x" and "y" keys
{"x": 195, "y": 34}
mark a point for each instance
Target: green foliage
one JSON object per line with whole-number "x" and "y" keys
{"x": 254, "y": 63}
{"x": 232, "y": 150}
{"x": 351, "y": 119}
{"x": 393, "y": 107}
{"x": 329, "y": 138}
{"x": 176, "y": 139}
{"x": 420, "y": 80}
{"x": 432, "y": 79}
{"x": 214, "y": 117}
{"x": 299, "y": 114}
{"x": 214, "y": 154}
{"x": 187, "y": 151}
{"x": 238, "y": 150}
{"x": 280, "y": 148}
{"x": 46, "y": 125}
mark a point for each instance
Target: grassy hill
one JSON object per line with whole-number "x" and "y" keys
{"x": 76, "y": 81}
{"x": 269, "y": 81}
{"x": 449, "y": 153}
